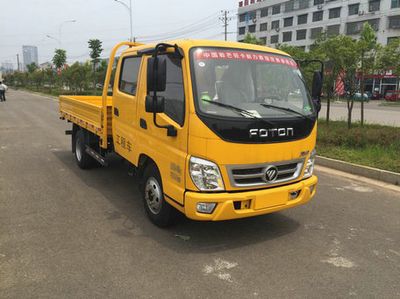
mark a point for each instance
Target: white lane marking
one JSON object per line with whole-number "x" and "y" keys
{"x": 339, "y": 262}
{"x": 395, "y": 252}
{"x": 219, "y": 269}
{"x": 355, "y": 187}
{"x": 335, "y": 259}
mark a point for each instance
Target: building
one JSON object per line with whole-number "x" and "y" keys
{"x": 300, "y": 22}
{"x": 7, "y": 67}
{"x": 30, "y": 55}
{"x": 46, "y": 65}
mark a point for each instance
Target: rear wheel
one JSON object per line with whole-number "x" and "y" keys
{"x": 83, "y": 159}
{"x": 160, "y": 212}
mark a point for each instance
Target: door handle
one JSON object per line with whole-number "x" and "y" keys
{"x": 116, "y": 111}
{"x": 143, "y": 124}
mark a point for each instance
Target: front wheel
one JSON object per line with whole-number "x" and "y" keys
{"x": 160, "y": 212}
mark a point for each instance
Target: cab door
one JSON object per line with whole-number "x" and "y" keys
{"x": 169, "y": 153}
{"x": 125, "y": 106}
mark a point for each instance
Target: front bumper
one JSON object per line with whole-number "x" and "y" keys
{"x": 250, "y": 203}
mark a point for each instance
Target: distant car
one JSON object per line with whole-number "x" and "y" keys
{"x": 357, "y": 97}
{"x": 376, "y": 95}
{"x": 392, "y": 95}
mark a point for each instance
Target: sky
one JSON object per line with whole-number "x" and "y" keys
{"x": 29, "y": 22}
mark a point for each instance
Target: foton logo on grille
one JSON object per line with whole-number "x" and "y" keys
{"x": 265, "y": 133}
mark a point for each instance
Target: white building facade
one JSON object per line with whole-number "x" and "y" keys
{"x": 300, "y": 22}
{"x": 30, "y": 55}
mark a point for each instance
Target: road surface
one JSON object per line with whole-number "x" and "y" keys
{"x": 68, "y": 233}
{"x": 373, "y": 112}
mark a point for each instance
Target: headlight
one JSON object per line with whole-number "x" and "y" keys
{"x": 205, "y": 175}
{"x": 308, "y": 172}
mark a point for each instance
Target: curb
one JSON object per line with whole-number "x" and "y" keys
{"x": 365, "y": 171}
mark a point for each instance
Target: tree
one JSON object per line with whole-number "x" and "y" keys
{"x": 95, "y": 47}
{"x": 31, "y": 67}
{"x": 388, "y": 57}
{"x": 367, "y": 47}
{"x": 251, "y": 39}
{"x": 59, "y": 58}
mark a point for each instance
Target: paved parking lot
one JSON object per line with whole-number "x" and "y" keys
{"x": 70, "y": 233}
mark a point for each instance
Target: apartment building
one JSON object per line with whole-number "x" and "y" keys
{"x": 300, "y": 22}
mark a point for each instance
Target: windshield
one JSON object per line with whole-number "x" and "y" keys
{"x": 263, "y": 84}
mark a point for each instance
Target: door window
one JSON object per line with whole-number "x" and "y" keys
{"x": 129, "y": 75}
{"x": 174, "y": 92}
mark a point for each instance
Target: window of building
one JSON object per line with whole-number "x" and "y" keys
{"x": 251, "y": 15}
{"x": 302, "y": 19}
{"x": 289, "y": 6}
{"x": 374, "y": 5}
{"x": 276, "y": 9}
{"x": 174, "y": 92}
{"x": 317, "y": 16}
{"x": 334, "y": 13}
{"x": 394, "y": 22}
{"x": 242, "y": 30}
{"x": 274, "y": 39}
{"x": 374, "y": 24}
{"x": 395, "y": 4}
{"x": 318, "y": 2}
{"x": 333, "y": 30}
{"x": 264, "y": 27}
{"x": 356, "y": 27}
{"x": 316, "y": 32}
{"x": 392, "y": 39}
{"x": 287, "y": 36}
{"x": 275, "y": 24}
{"x": 129, "y": 74}
{"x": 264, "y": 12}
{"x": 303, "y": 4}
{"x": 242, "y": 17}
{"x": 252, "y": 28}
{"x": 301, "y": 34}
{"x": 288, "y": 22}
{"x": 353, "y": 9}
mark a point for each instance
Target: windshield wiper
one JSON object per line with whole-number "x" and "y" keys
{"x": 286, "y": 109}
{"x": 238, "y": 110}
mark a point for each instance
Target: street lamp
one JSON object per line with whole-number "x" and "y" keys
{"x": 129, "y": 8}
{"x": 60, "y": 28}
{"x": 56, "y": 39}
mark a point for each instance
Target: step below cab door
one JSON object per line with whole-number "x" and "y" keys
{"x": 169, "y": 152}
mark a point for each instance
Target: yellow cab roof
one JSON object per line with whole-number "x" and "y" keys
{"x": 187, "y": 44}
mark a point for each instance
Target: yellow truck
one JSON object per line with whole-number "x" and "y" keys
{"x": 214, "y": 130}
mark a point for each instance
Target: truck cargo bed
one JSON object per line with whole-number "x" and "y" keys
{"x": 85, "y": 111}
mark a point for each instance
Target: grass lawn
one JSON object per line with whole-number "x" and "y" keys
{"x": 372, "y": 145}
{"x": 390, "y": 104}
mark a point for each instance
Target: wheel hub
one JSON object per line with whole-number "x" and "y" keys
{"x": 153, "y": 195}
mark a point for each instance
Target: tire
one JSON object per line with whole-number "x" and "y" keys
{"x": 82, "y": 158}
{"x": 160, "y": 212}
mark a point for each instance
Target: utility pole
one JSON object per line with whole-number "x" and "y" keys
{"x": 225, "y": 20}
{"x": 18, "y": 62}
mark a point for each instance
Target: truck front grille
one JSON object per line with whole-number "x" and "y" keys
{"x": 255, "y": 174}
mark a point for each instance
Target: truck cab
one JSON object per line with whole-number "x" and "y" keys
{"x": 215, "y": 130}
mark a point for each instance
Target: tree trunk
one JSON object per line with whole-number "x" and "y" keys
{"x": 328, "y": 108}
{"x": 362, "y": 89}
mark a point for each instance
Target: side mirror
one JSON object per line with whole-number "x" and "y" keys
{"x": 155, "y": 104}
{"x": 156, "y": 74}
{"x": 317, "y": 89}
